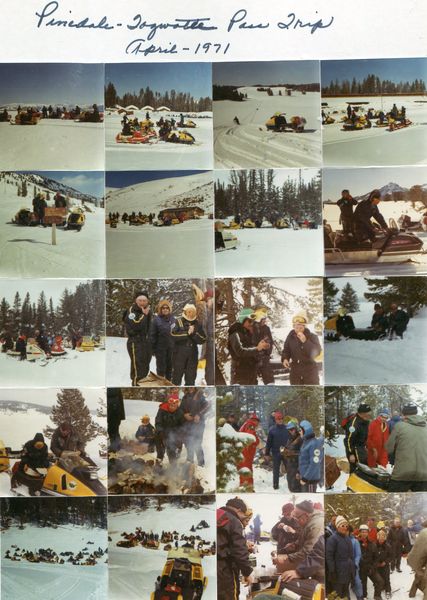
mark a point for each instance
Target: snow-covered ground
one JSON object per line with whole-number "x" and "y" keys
{"x": 349, "y": 362}
{"x": 75, "y": 368}
{"x": 251, "y": 145}
{"x": 43, "y": 581}
{"x": 158, "y": 155}
{"x": 269, "y": 252}
{"x": 19, "y": 426}
{"x": 118, "y": 364}
{"x": 400, "y": 584}
{"x": 133, "y": 571}
{"x": 389, "y": 210}
{"x": 52, "y": 144}
{"x": 376, "y": 146}
{"x": 135, "y": 409}
{"x": 28, "y": 251}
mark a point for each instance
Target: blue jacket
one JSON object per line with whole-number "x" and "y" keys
{"x": 160, "y": 332}
{"x": 278, "y": 436}
{"x": 311, "y": 455}
{"x": 340, "y": 558}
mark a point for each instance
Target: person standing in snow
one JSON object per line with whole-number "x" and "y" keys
{"x": 299, "y": 352}
{"x": 382, "y": 563}
{"x": 263, "y": 332}
{"x": 379, "y": 320}
{"x": 161, "y": 338}
{"x": 137, "y": 320}
{"x": 340, "y": 558}
{"x": 168, "y": 425}
{"x": 356, "y": 435}
{"x": 187, "y": 334}
{"x": 366, "y": 565}
{"x": 408, "y": 443}
{"x": 378, "y": 434}
{"x": 417, "y": 560}
{"x": 65, "y": 438}
{"x": 194, "y": 406}
{"x": 398, "y": 540}
{"x": 246, "y": 467}
{"x": 244, "y": 352}
{"x": 345, "y": 204}
{"x": 310, "y": 464}
{"x": 277, "y": 439}
{"x": 291, "y": 454}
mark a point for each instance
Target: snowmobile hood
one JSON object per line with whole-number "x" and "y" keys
{"x": 308, "y": 429}
{"x": 417, "y": 420}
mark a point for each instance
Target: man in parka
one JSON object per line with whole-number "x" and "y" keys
{"x": 300, "y": 349}
{"x": 408, "y": 443}
{"x": 161, "y": 338}
{"x": 245, "y": 353}
{"x": 356, "y": 434}
{"x": 187, "y": 334}
{"x": 232, "y": 553}
{"x": 417, "y": 560}
{"x": 168, "y": 425}
{"x": 346, "y": 203}
{"x": 365, "y": 211}
{"x": 137, "y": 320}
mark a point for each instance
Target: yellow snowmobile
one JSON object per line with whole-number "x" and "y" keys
{"x": 24, "y": 118}
{"x": 360, "y": 123}
{"x": 71, "y": 475}
{"x": 282, "y": 224}
{"x": 25, "y": 216}
{"x": 4, "y": 458}
{"x": 76, "y": 219}
{"x": 301, "y": 589}
{"x": 182, "y": 576}
{"x": 367, "y": 480}
{"x": 189, "y": 124}
{"x": 179, "y": 137}
{"x": 233, "y": 225}
{"x": 249, "y": 224}
{"x": 278, "y": 122}
{"x": 87, "y": 344}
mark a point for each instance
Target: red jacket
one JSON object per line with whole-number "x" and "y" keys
{"x": 377, "y": 436}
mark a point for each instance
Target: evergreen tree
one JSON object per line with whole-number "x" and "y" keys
{"x": 26, "y": 314}
{"x": 42, "y": 314}
{"x": 349, "y": 299}
{"x": 408, "y": 292}
{"x": 5, "y": 321}
{"x": 330, "y": 292}
{"x": 71, "y": 407}
{"x": 16, "y": 313}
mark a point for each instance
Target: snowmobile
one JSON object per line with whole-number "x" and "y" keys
{"x": 25, "y": 217}
{"x": 151, "y": 544}
{"x": 70, "y": 475}
{"x": 4, "y": 458}
{"x": 24, "y": 118}
{"x": 89, "y": 116}
{"x": 182, "y": 576}
{"x": 34, "y": 352}
{"x": 189, "y": 124}
{"x": 249, "y": 224}
{"x": 76, "y": 219}
{"x": 87, "y": 344}
{"x": 392, "y": 247}
{"x": 135, "y": 138}
{"x": 179, "y": 137}
{"x": 406, "y": 224}
{"x": 282, "y": 224}
{"x": 366, "y": 480}
{"x": 328, "y": 120}
{"x": 233, "y": 225}
{"x": 278, "y": 122}
{"x": 358, "y": 333}
{"x": 394, "y": 125}
{"x": 4, "y": 117}
{"x": 357, "y": 125}
{"x": 57, "y": 348}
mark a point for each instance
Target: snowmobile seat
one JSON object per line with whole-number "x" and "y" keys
{"x": 377, "y": 477}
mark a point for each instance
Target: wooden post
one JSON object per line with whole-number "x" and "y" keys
{"x": 53, "y": 234}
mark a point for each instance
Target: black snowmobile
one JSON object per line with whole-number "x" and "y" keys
{"x": 392, "y": 247}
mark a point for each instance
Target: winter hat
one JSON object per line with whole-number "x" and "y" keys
{"x": 259, "y": 314}
{"x": 340, "y": 521}
{"x": 139, "y": 293}
{"x": 245, "y": 313}
{"x": 300, "y": 317}
{"x": 254, "y": 416}
{"x": 363, "y": 528}
{"x": 222, "y": 421}
{"x": 238, "y": 504}
{"x": 363, "y": 408}
{"x": 291, "y": 425}
{"x": 380, "y": 525}
{"x": 189, "y": 312}
{"x": 145, "y": 419}
{"x": 409, "y": 409}
{"x": 163, "y": 303}
{"x": 287, "y": 508}
{"x": 173, "y": 398}
{"x": 341, "y": 312}
{"x": 306, "y": 506}
{"x": 384, "y": 412}
{"x": 38, "y": 441}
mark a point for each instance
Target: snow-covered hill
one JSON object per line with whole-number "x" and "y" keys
{"x": 45, "y": 184}
{"x": 251, "y": 145}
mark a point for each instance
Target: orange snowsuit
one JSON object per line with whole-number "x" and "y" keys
{"x": 248, "y": 426}
{"x": 378, "y": 433}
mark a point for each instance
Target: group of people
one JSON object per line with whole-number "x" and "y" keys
{"x": 250, "y": 345}
{"x": 391, "y": 324}
{"x": 174, "y": 341}
{"x": 177, "y": 424}
{"x": 298, "y": 560}
{"x": 47, "y": 555}
{"x": 170, "y": 539}
{"x": 398, "y": 439}
{"x": 373, "y": 551}
{"x": 46, "y": 341}
{"x": 166, "y": 126}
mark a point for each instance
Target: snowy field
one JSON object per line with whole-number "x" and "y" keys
{"x": 43, "y": 581}
{"x": 135, "y": 409}
{"x": 133, "y": 571}
{"x": 118, "y": 364}
{"x": 75, "y": 368}
{"x": 349, "y": 362}
{"x": 376, "y": 146}
{"x": 17, "y": 427}
{"x": 52, "y": 144}
{"x": 158, "y": 155}
{"x": 400, "y": 584}
{"x": 417, "y": 265}
{"x": 251, "y": 145}
{"x": 269, "y": 252}
{"x": 28, "y": 251}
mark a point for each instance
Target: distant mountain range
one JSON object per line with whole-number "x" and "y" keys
{"x": 49, "y": 184}
{"x": 392, "y": 190}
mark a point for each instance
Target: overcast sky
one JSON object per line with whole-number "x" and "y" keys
{"x": 266, "y": 73}
{"x": 280, "y": 175}
{"x": 394, "y": 69}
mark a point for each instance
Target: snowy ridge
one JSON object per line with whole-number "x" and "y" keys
{"x": 47, "y": 184}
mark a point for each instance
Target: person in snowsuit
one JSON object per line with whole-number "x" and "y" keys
{"x": 310, "y": 464}
{"x": 365, "y": 211}
{"x": 378, "y": 434}
{"x": 291, "y": 454}
{"x": 356, "y": 435}
{"x": 397, "y": 320}
{"x": 115, "y": 415}
{"x": 299, "y": 351}
{"x": 285, "y": 531}
{"x": 243, "y": 350}
{"x": 21, "y": 347}
{"x": 249, "y": 426}
{"x": 382, "y": 563}
{"x": 399, "y": 541}
{"x": 339, "y": 557}
{"x": 379, "y": 320}
{"x": 34, "y": 454}
{"x": 263, "y": 332}
{"x": 417, "y": 560}
{"x": 345, "y": 204}
{"x": 232, "y": 550}
{"x": 137, "y": 321}
{"x": 277, "y": 439}
{"x": 64, "y": 438}
{"x": 408, "y": 443}
{"x": 367, "y": 561}
{"x": 168, "y": 425}
{"x": 145, "y": 434}
{"x": 344, "y": 323}
{"x": 194, "y": 406}
{"x": 257, "y": 528}
{"x": 59, "y": 201}
{"x": 187, "y": 334}
{"x": 161, "y": 338}
{"x": 7, "y": 342}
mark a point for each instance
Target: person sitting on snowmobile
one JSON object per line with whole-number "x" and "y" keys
{"x": 365, "y": 211}
{"x": 398, "y": 321}
{"x": 127, "y": 129}
{"x": 64, "y": 438}
{"x": 35, "y": 454}
{"x": 344, "y": 323}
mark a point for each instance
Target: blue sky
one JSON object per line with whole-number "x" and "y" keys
{"x": 266, "y": 73}
{"x": 118, "y": 179}
{"x": 88, "y": 182}
{"x": 52, "y": 83}
{"x": 193, "y": 78}
{"x": 394, "y": 69}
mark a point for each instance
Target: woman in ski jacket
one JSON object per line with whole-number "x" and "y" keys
{"x": 310, "y": 458}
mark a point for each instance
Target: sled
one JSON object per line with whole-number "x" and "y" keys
{"x": 87, "y": 344}
{"x": 135, "y": 138}
{"x": 153, "y": 380}
{"x": 367, "y": 480}
{"x": 278, "y": 123}
{"x": 395, "y": 125}
{"x": 26, "y": 119}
